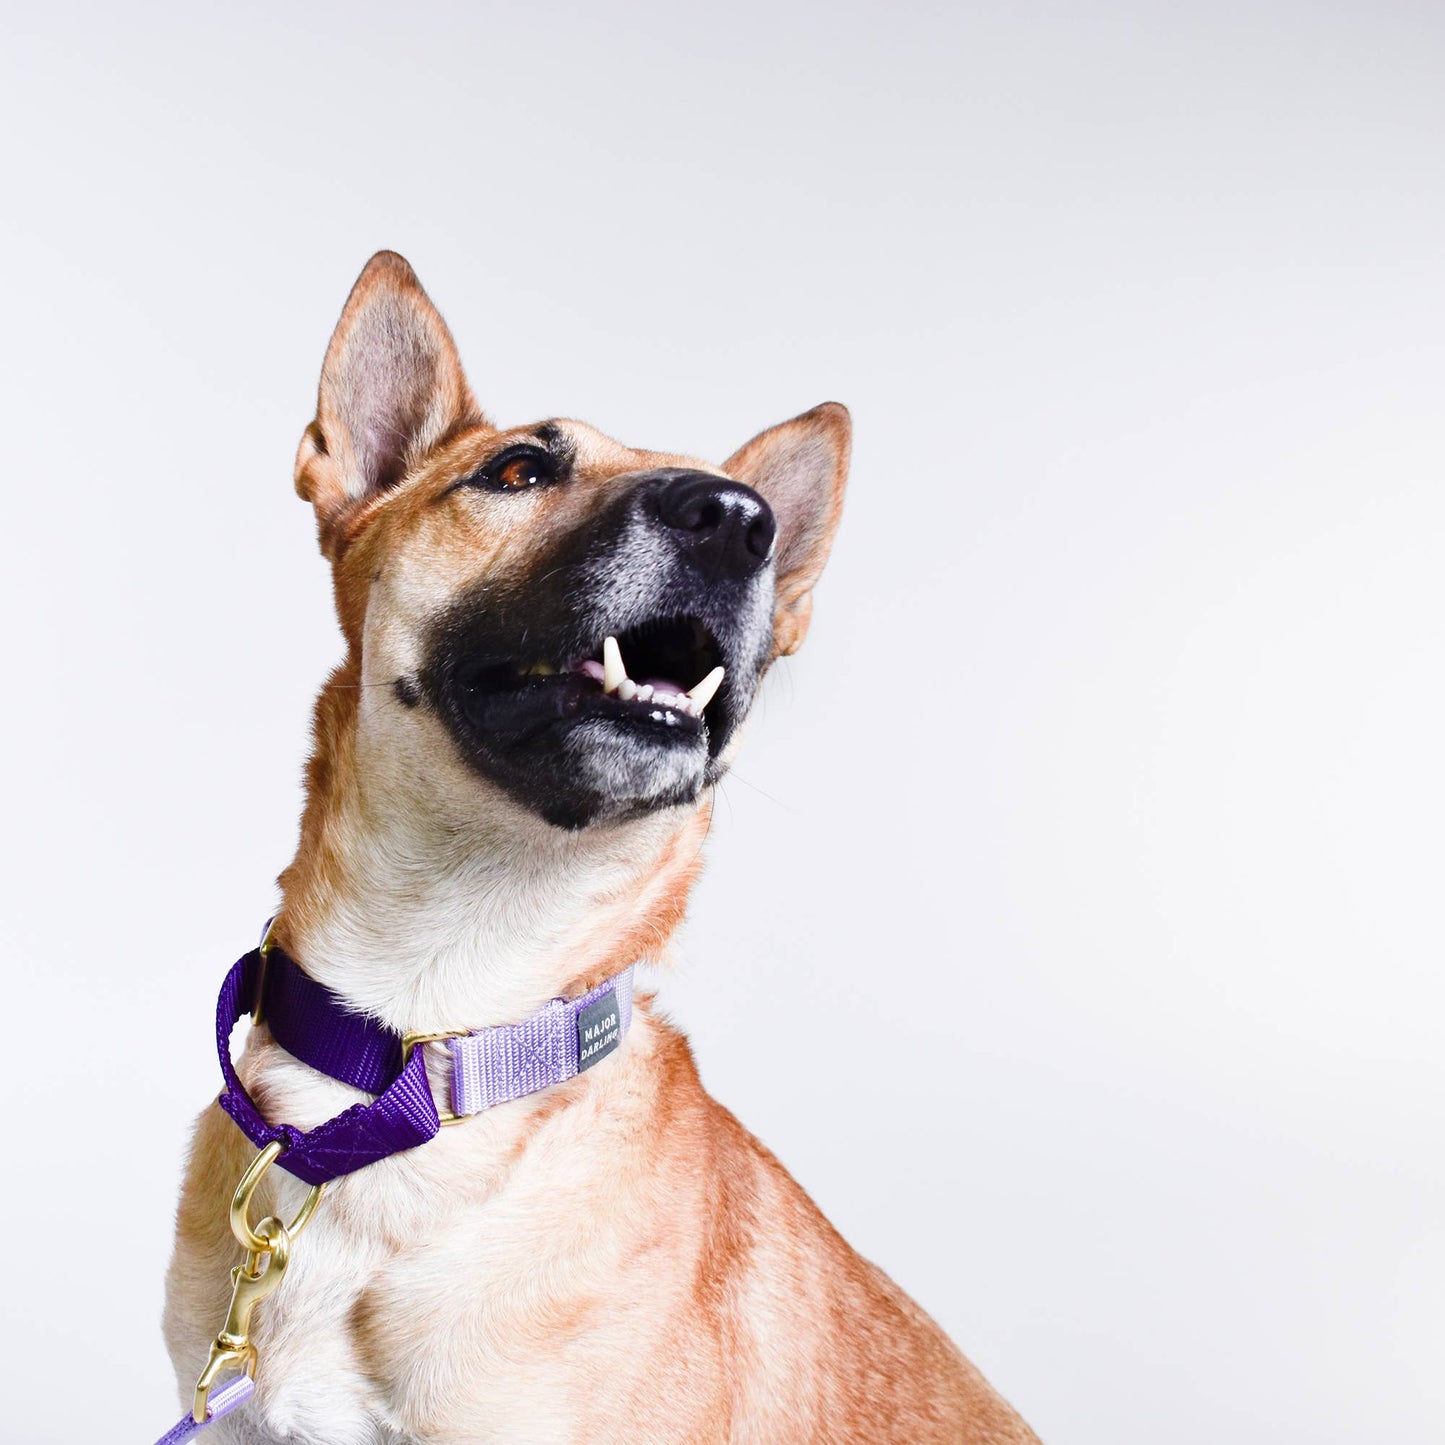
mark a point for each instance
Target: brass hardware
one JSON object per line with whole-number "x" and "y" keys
{"x": 251, "y": 1282}
{"x": 268, "y": 1252}
{"x": 266, "y": 949}
{"x": 241, "y": 1202}
{"x": 410, "y": 1042}
{"x": 220, "y": 1361}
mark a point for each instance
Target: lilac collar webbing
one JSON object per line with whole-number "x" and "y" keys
{"x": 489, "y": 1066}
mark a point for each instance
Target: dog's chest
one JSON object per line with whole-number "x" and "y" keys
{"x": 478, "y": 1301}
{"x": 462, "y": 1336}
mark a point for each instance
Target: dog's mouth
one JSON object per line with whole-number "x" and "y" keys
{"x": 664, "y": 677}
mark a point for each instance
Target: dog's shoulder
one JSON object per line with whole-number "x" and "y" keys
{"x": 819, "y": 1342}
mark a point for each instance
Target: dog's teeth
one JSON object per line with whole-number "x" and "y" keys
{"x": 627, "y": 689}
{"x": 613, "y": 672}
{"x": 706, "y": 690}
{"x": 644, "y": 693}
{"x": 540, "y": 669}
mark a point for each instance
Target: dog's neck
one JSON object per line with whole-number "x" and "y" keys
{"x": 428, "y": 921}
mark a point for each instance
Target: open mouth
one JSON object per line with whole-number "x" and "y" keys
{"x": 664, "y": 675}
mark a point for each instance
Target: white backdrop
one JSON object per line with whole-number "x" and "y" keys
{"x": 1101, "y": 814}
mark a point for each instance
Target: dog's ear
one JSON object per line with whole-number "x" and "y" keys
{"x": 392, "y": 388}
{"x": 801, "y": 467}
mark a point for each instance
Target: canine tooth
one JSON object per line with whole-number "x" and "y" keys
{"x": 627, "y": 689}
{"x": 613, "y": 671}
{"x": 706, "y": 690}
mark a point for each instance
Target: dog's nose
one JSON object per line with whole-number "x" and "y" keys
{"x": 725, "y": 527}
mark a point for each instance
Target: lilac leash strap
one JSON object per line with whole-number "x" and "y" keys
{"x": 223, "y": 1401}
{"x": 403, "y": 1115}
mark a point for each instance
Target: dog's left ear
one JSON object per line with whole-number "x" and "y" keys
{"x": 801, "y": 467}
{"x": 391, "y": 389}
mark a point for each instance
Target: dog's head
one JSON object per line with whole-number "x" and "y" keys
{"x": 480, "y": 572}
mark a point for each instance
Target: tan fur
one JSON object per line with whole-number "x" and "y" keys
{"x": 616, "y": 1258}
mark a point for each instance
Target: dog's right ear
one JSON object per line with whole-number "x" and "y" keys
{"x": 392, "y": 388}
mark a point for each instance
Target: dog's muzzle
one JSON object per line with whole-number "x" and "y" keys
{"x": 611, "y": 685}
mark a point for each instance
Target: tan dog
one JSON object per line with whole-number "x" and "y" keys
{"x": 489, "y": 826}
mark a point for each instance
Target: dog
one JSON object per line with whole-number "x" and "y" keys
{"x": 552, "y": 641}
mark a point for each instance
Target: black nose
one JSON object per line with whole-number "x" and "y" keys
{"x": 726, "y": 528}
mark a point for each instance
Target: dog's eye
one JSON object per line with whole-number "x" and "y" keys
{"x": 516, "y": 471}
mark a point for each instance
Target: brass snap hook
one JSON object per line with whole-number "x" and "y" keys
{"x": 268, "y": 1252}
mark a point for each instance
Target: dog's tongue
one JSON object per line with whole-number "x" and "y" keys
{"x": 594, "y": 670}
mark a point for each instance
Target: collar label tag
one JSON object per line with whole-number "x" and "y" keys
{"x": 598, "y": 1031}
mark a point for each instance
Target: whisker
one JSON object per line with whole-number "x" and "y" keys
{"x": 362, "y": 684}
{"x": 734, "y": 776}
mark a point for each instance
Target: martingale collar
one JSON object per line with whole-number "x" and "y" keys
{"x": 489, "y": 1066}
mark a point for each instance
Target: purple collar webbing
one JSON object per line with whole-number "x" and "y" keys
{"x": 489, "y": 1066}
{"x": 338, "y": 1042}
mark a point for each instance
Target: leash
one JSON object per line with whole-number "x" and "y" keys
{"x": 231, "y": 1397}
{"x": 489, "y": 1066}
